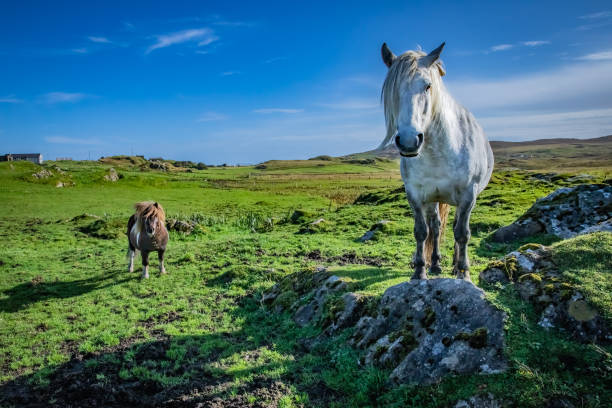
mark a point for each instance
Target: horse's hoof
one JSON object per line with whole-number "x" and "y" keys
{"x": 419, "y": 276}
{"x": 145, "y": 276}
{"x": 163, "y": 272}
{"x": 463, "y": 274}
{"x": 435, "y": 270}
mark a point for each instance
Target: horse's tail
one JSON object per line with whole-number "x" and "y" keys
{"x": 443, "y": 210}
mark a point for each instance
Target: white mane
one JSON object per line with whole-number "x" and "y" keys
{"x": 405, "y": 66}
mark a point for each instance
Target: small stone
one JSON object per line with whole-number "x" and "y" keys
{"x": 581, "y": 311}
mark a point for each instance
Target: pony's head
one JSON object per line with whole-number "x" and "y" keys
{"x": 151, "y": 216}
{"x": 410, "y": 95}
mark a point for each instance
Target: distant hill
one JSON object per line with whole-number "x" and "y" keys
{"x": 534, "y": 154}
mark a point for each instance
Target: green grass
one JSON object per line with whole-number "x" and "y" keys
{"x": 65, "y": 293}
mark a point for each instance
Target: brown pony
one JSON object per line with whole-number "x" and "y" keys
{"x": 147, "y": 232}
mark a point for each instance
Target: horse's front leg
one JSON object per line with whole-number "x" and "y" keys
{"x": 160, "y": 257}
{"x": 131, "y": 254}
{"x": 420, "y": 234}
{"x": 433, "y": 220}
{"x": 145, "y": 263}
{"x": 461, "y": 229}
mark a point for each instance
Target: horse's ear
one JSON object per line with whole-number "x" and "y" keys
{"x": 156, "y": 205}
{"x": 433, "y": 56}
{"x": 387, "y": 56}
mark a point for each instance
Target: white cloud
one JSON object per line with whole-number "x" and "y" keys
{"x": 501, "y": 47}
{"x": 573, "y": 124}
{"x": 203, "y": 36}
{"x": 10, "y": 99}
{"x": 230, "y": 73}
{"x": 101, "y": 40}
{"x": 59, "y": 97}
{"x": 211, "y": 116}
{"x": 599, "y": 14}
{"x": 353, "y": 104}
{"x": 535, "y": 43}
{"x": 597, "y": 56}
{"x": 571, "y": 87}
{"x": 71, "y": 140}
{"x": 80, "y": 50}
{"x": 277, "y": 110}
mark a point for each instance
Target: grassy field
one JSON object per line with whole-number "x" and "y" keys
{"x": 70, "y": 312}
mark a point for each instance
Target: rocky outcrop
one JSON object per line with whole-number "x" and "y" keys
{"x": 42, "y": 174}
{"x": 420, "y": 330}
{"x": 481, "y": 401}
{"x": 539, "y": 281}
{"x": 566, "y": 212}
{"x": 186, "y": 227}
{"x": 112, "y": 175}
{"x": 427, "y": 329}
{"x": 381, "y": 226}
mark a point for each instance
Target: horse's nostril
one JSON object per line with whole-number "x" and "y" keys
{"x": 420, "y": 137}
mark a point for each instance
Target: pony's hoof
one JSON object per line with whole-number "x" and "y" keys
{"x": 145, "y": 276}
{"x": 163, "y": 272}
{"x": 435, "y": 270}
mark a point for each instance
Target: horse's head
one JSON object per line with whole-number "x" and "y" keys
{"x": 408, "y": 95}
{"x": 153, "y": 221}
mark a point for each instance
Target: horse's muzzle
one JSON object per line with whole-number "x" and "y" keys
{"x": 409, "y": 146}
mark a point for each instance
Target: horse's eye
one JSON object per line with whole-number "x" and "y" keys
{"x": 427, "y": 87}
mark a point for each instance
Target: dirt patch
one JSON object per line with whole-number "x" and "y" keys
{"x": 344, "y": 259}
{"x": 97, "y": 380}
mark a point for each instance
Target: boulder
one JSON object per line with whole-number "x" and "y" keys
{"x": 427, "y": 329}
{"x": 420, "y": 330}
{"x": 42, "y": 174}
{"x": 538, "y": 281}
{"x": 480, "y": 401}
{"x": 380, "y": 227}
{"x": 565, "y": 213}
{"x": 112, "y": 175}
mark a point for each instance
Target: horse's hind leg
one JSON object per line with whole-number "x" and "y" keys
{"x": 160, "y": 257}
{"x": 145, "y": 264}
{"x": 433, "y": 238}
{"x": 461, "y": 229}
{"x": 420, "y": 234}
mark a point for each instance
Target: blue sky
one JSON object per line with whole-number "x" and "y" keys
{"x": 249, "y": 81}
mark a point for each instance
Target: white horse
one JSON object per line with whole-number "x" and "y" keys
{"x": 446, "y": 157}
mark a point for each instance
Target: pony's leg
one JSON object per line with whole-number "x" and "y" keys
{"x": 433, "y": 221}
{"x": 461, "y": 229}
{"x": 145, "y": 264}
{"x": 420, "y": 234}
{"x": 131, "y": 254}
{"x": 160, "y": 257}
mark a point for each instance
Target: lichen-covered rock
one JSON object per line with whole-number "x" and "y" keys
{"x": 425, "y": 330}
{"x": 347, "y": 314}
{"x": 382, "y": 226}
{"x": 480, "y": 401}
{"x": 318, "y": 225}
{"x": 565, "y": 213}
{"x": 112, "y": 175}
{"x": 538, "y": 281}
{"x": 42, "y": 174}
{"x": 311, "y": 311}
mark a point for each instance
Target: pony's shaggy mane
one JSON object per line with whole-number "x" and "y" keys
{"x": 146, "y": 209}
{"x": 404, "y": 67}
